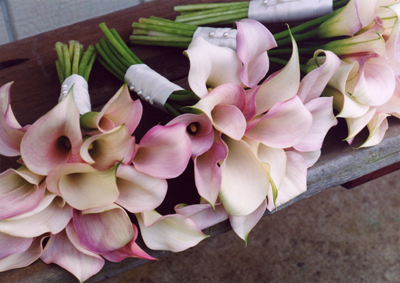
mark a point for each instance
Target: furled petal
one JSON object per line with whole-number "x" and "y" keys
{"x": 253, "y": 40}
{"x": 203, "y": 214}
{"x": 172, "y": 232}
{"x": 322, "y": 120}
{"x": 51, "y": 215}
{"x": 23, "y": 258}
{"x": 211, "y": 66}
{"x": 199, "y": 129}
{"x": 393, "y": 105}
{"x": 82, "y": 186}
{"x": 138, "y": 191}
{"x": 377, "y": 128}
{"x": 103, "y": 230}
{"x": 224, "y": 106}
{"x": 129, "y": 250}
{"x": 311, "y": 157}
{"x": 106, "y": 149}
{"x": 65, "y": 250}
{"x": 355, "y": 125}
{"x": 53, "y": 139}
{"x": 10, "y": 129}
{"x": 10, "y": 245}
{"x": 120, "y": 109}
{"x": 245, "y": 181}
{"x": 392, "y": 44}
{"x": 207, "y": 171}
{"x": 164, "y": 151}
{"x": 294, "y": 183}
{"x": 285, "y": 124}
{"x": 281, "y": 85}
{"x": 242, "y": 225}
{"x": 19, "y": 192}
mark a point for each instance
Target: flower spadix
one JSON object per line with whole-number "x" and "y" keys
{"x": 120, "y": 109}
{"x": 211, "y": 66}
{"x": 82, "y": 186}
{"x": 56, "y": 137}
{"x": 11, "y": 130}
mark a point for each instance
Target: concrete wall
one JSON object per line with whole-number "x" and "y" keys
{"x": 24, "y": 18}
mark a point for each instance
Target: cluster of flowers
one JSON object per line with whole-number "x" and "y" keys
{"x": 251, "y": 140}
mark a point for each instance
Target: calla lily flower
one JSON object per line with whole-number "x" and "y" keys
{"x": 82, "y": 186}
{"x": 172, "y": 232}
{"x": 103, "y": 150}
{"x": 10, "y": 245}
{"x": 211, "y": 66}
{"x": 57, "y": 138}
{"x": 66, "y": 250}
{"x": 164, "y": 151}
{"x": 253, "y": 40}
{"x": 377, "y": 128}
{"x": 104, "y": 229}
{"x": 120, "y": 109}
{"x": 20, "y": 192}
{"x": 11, "y": 130}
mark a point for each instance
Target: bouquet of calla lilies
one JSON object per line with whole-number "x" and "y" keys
{"x": 251, "y": 134}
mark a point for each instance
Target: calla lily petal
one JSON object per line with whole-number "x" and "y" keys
{"x": 164, "y": 151}
{"x": 65, "y": 250}
{"x": 211, "y": 66}
{"x": 23, "y": 258}
{"x": 10, "y": 245}
{"x": 172, "y": 232}
{"x": 253, "y": 40}
{"x": 106, "y": 149}
{"x": 10, "y": 129}
{"x": 19, "y": 192}
{"x": 281, "y": 85}
{"x": 245, "y": 181}
{"x": 103, "y": 230}
{"x": 285, "y": 124}
{"x": 139, "y": 191}
{"x": 355, "y": 125}
{"x": 57, "y": 138}
{"x": 51, "y": 215}
{"x": 377, "y": 128}
{"x": 120, "y": 109}
{"x": 203, "y": 214}
{"x": 311, "y": 157}
{"x": 393, "y": 105}
{"x": 275, "y": 158}
{"x": 242, "y": 225}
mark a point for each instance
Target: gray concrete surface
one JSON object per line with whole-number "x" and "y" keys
{"x": 338, "y": 235}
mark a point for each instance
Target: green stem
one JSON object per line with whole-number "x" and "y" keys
{"x": 110, "y": 69}
{"x": 196, "y": 7}
{"x": 299, "y": 37}
{"x": 60, "y": 71}
{"x": 75, "y": 60}
{"x": 226, "y": 18}
{"x": 171, "y": 109}
{"x": 158, "y": 42}
{"x": 116, "y": 54}
{"x": 164, "y": 29}
{"x": 208, "y": 14}
{"x": 126, "y": 48}
{"x": 90, "y": 65}
{"x": 339, "y": 3}
{"x": 85, "y": 59}
{"x": 167, "y": 23}
{"x": 67, "y": 61}
{"x": 111, "y": 56}
{"x": 108, "y": 61}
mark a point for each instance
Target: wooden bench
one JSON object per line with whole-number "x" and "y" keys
{"x": 29, "y": 63}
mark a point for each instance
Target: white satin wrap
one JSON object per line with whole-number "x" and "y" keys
{"x": 225, "y": 37}
{"x": 150, "y": 85}
{"x": 80, "y": 91}
{"x": 281, "y": 11}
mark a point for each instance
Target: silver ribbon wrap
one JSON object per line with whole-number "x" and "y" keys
{"x": 150, "y": 85}
{"x": 281, "y": 11}
{"x": 225, "y": 37}
{"x": 79, "y": 90}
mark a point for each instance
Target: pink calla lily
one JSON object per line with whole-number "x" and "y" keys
{"x": 10, "y": 245}
{"x": 65, "y": 250}
{"x": 103, "y": 230}
{"x": 172, "y": 232}
{"x": 82, "y": 186}
{"x": 164, "y": 151}
{"x": 377, "y": 127}
{"x": 253, "y": 40}
{"x": 120, "y": 109}
{"x": 20, "y": 192}
{"x": 11, "y": 130}
{"x": 56, "y": 137}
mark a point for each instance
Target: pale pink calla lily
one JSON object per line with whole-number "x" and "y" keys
{"x": 11, "y": 131}
{"x": 53, "y": 139}
{"x": 164, "y": 151}
{"x": 172, "y": 232}
{"x": 104, "y": 229}
{"x": 138, "y": 191}
{"x": 120, "y": 109}
{"x": 66, "y": 250}
{"x": 377, "y": 127}
{"x": 104, "y": 150}
{"x": 211, "y": 66}
{"x": 20, "y": 192}
{"x": 10, "y": 245}
{"x": 51, "y": 215}
{"x": 82, "y": 186}
{"x": 253, "y": 40}
{"x": 355, "y": 125}
{"x": 224, "y": 106}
